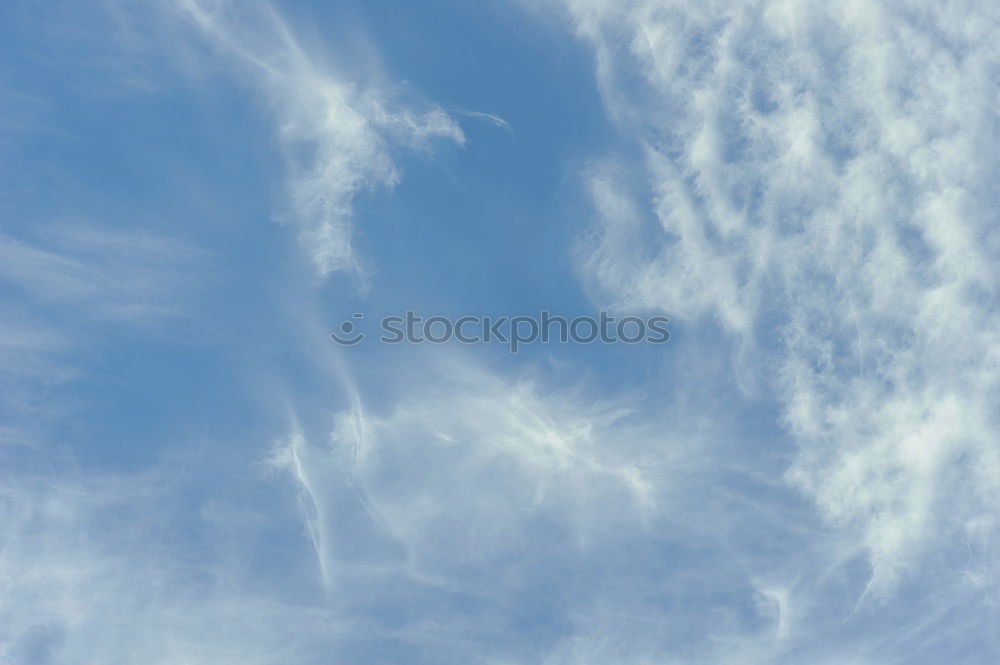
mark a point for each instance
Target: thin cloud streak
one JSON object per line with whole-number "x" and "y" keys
{"x": 338, "y": 135}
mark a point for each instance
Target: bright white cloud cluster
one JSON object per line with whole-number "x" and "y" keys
{"x": 337, "y": 133}
{"x": 824, "y": 181}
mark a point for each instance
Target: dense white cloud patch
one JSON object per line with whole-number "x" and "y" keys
{"x": 824, "y": 180}
{"x": 337, "y": 132}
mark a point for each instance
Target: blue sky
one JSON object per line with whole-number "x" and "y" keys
{"x": 195, "y": 193}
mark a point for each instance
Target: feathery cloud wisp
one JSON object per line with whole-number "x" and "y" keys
{"x": 337, "y": 134}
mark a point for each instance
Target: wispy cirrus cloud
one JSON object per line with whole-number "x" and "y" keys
{"x": 104, "y": 274}
{"x": 823, "y": 185}
{"x": 92, "y": 571}
{"x": 451, "y": 476}
{"x": 338, "y": 133}
{"x": 616, "y": 534}
{"x": 810, "y": 186}
{"x": 68, "y": 283}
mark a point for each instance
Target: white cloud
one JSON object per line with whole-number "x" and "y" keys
{"x": 458, "y": 474}
{"x": 337, "y": 133}
{"x": 823, "y": 178}
{"x": 524, "y": 503}
{"x": 616, "y": 534}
